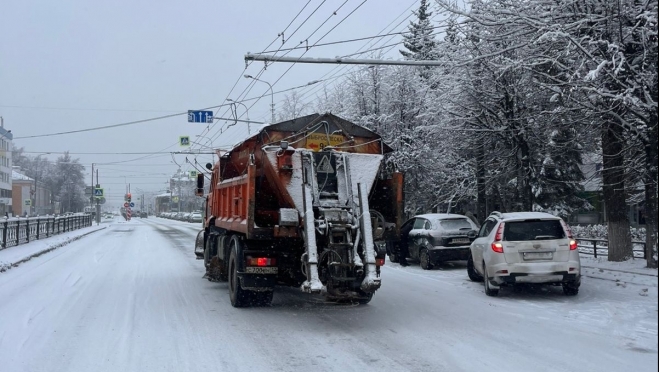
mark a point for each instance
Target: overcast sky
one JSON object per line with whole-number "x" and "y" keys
{"x": 74, "y": 64}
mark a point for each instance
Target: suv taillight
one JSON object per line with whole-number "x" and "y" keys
{"x": 496, "y": 245}
{"x": 573, "y": 244}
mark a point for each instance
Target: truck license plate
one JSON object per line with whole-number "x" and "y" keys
{"x": 460, "y": 240}
{"x": 261, "y": 270}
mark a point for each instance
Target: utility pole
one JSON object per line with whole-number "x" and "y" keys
{"x": 98, "y": 205}
{"x": 179, "y": 190}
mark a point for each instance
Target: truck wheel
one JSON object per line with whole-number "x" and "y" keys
{"x": 471, "y": 272}
{"x": 367, "y": 298}
{"x": 263, "y": 298}
{"x": 571, "y": 289}
{"x": 424, "y": 260}
{"x": 239, "y": 297}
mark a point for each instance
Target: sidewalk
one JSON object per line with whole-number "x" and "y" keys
{"x": 14, "y": 256}
{"x": 629, "y": 272}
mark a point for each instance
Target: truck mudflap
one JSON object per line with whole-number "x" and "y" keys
{"x": 199, "y": 245}
{"x": 371, "y": 280}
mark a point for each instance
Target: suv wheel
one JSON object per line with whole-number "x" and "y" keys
{"x": 571, "y": 289}
{"x": 489, "y": 290}
{"x": 424, "y": 260}
{"x": 473, "y": 275}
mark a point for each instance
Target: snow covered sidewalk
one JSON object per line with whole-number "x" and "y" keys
{"x": 14, "y": 256}
{"x": 631, "y": 272}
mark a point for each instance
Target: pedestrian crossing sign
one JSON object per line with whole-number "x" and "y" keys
{"x": 98, "y": 193}
{"x": 193, "y": 174}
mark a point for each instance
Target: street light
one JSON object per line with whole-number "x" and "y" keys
{"x": 36, "y": 182}
{"x": 272, "y": 95}
{"x": 246, "y": 110}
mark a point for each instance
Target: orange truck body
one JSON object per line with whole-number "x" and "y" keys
{"x": 259, "y": 182}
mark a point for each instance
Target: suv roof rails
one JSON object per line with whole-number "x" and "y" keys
{"x": 496, "y": 213}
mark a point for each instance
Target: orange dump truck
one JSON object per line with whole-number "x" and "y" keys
{"x": 305, "y": 202}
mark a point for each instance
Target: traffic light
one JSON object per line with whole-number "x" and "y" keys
{"x": 128, "y": 196}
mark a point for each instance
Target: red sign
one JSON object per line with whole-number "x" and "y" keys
{"x": 126, "y": 205}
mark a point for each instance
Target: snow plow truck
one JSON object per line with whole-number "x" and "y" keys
{"x": 305, "y": 203}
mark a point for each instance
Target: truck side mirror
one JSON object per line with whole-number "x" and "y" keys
{"x": 199, "y": 191}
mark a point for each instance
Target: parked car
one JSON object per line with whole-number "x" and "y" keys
{"x": 195, "y": 217}
{"x": 144, "y": 215}
{"x": 525, "y": 247}
{"x": 437, "y": 237}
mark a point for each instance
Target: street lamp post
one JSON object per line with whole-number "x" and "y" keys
{"x": 272, "y": 95}
{"x": 247, "y": 111}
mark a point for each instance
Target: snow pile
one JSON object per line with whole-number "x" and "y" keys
{"x": 4, "y": 266}
{"x": 14, "y": 256}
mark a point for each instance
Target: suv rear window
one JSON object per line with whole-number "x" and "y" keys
{"x": 456, "y": 224}
{"x": 533, "y": 230}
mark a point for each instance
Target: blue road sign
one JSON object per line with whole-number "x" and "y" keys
{"x": 98, "y": 192}
{"x": 200, "y": 116}
{"x": 132, "y": 205}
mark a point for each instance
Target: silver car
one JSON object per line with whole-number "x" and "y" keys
{"x": 438, "y": 237}
{"x": 525, "y": 247}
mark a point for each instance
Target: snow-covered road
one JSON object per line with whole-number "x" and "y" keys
{"x": 132, "y": 298}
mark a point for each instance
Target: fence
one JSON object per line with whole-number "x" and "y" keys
{"x": 15, "y": 231}
{"x": 592, "y": 247}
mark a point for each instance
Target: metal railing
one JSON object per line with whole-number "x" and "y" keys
{"x": 16, "y": 230}
{"x": 600, "y": 247}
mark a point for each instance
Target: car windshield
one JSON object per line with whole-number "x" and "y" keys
{"x": 455, "y": 224}
{"x": 533, "y": 230}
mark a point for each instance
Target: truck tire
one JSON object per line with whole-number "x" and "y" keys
{"x": 367, "y": 299}
{"x": 263, "y": 298}
{"x": 239, "y": 297}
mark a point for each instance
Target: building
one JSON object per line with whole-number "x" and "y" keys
{"x": 5, "y": 170}
{"x": 22, "y": 195}
{"x": 182, "y": 187}
{"x": 29, "y": 196}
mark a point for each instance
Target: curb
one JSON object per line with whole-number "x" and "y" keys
{"x": 49, "y": 249}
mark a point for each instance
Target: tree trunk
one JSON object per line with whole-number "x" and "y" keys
{"x": 613, "y": 185}
{"x": 651, "y": 196}
{"x": 481, "y": 196}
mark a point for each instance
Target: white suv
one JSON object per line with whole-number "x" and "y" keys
{"x": 524, "y": 247}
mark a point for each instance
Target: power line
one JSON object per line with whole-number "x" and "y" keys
{"x": 317, "y": 41}
{"x": 258, "y": 75}
{"x": 154, "y": 118}
{"x": 208, "y": 128}
{"x": 332, "y": 73}
{"x": 313, "y": 90}
{"x": 82, "y": 109}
